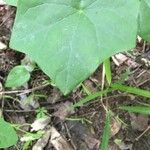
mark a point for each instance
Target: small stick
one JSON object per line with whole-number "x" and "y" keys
{"x": 142, "y": 133}
{"x": 71, "y": 141}
{"x": 24, "y": 91}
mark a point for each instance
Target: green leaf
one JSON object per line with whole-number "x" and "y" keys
{"x": 18, "y": 76}
{"x": 8, "y": 136}
{"x": 137, "y": 109}
{"x": 106, "y": 133}
{"x": 132, "y": 90}
{"x": 11, "y": 2}
{"x": 107, "y": 66}
{"x": 144, "y": 20}
{"x": 70, "y": 38}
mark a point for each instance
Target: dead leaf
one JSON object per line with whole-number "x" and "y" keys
{"x": 55, "y": 96}
{"x": 28, "y": 102}
{"x": 115, "y": 126}
{"x": 119, "y": 59}
{"x": 40, "y": 124}
{"x": 58, "y": 141}
{"x": 122, "y": 145}
{"x": 82, "y": 136}
{"x": 41, "y": 143}
{"x": 90, "y": 86}
{"x": 92, "y": 142}
{"x": 131, "y": 63}
{"x": 63, "y": 110}
{"x": 139, "y": 122}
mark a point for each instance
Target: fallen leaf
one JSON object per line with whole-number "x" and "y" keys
{"x": 92, "y": 142}
{"x": 82, "y": 136}
{"x": 63, "y": 110}
{"x": 2, "y": 46}
{"x": 55, "y": 96}
{"x": 115, "y": 127}
{"x": 119, "y": 59}
{"x": 139, "y": 122}
{"x": 28, "y": 102}
{"x": 58, "y": 141}
{"x": 42, "y": 142}
{"x": 40, "y": 124}
{"x": 122, "y": 145}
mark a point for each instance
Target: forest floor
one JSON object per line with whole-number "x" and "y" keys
{"x": 81, "y": 128}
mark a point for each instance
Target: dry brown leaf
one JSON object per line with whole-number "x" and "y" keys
{"x": 139, "y": 122}
{"x": 41, "y": 143}
{"x": 40, "y": 124}
{"x": 63, "y": 110}
{"x": 92, "y": 143}
{"x": 119, "y": 59}
{"x": 58, "y": 141}
{"x": 115, "y": 127}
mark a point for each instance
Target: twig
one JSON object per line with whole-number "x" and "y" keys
{"x": 25, "y": 111}
{"x": 143, "y": 82}
{"x": 69, "y": 135}
{"x": 142, "y": 133}
{"x": 24, "y": 91}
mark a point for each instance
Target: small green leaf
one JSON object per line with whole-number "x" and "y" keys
{"x": 131, "y": 90}
{"x": 106, "y": 133}
{"x": 18, "y": 76}
{"x": 11, "y": 2}
{"x": 137, "y": 109}
{"x": 107, "y": 67}
{"x": 8, "y": 136}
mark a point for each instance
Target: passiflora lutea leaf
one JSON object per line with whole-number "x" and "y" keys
{"x": 144, "y": 20}
{"x": 70, "y": 38}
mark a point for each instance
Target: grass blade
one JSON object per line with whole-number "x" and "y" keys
{"x": 137, "y": 109}
{"x": 91, "y": 97}
{"x": 107, "y": 67}
{"x": 106, "y": 133}
{"x": 130, "y": 89}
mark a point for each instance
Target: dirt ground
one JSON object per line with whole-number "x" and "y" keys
{"x": 82, "y": 128}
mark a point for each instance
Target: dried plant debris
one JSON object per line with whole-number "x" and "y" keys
{"x": 40, "y": 124}
{"x": 82, "y": 136}
{"x": 63, "y": 110}
{"x": 139, "y": 122}
{"x": 2, "y": 46}
{"x": 115, "y": 126}
{"x": 42, "y": 142}
{"x": 58, "y": 141}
